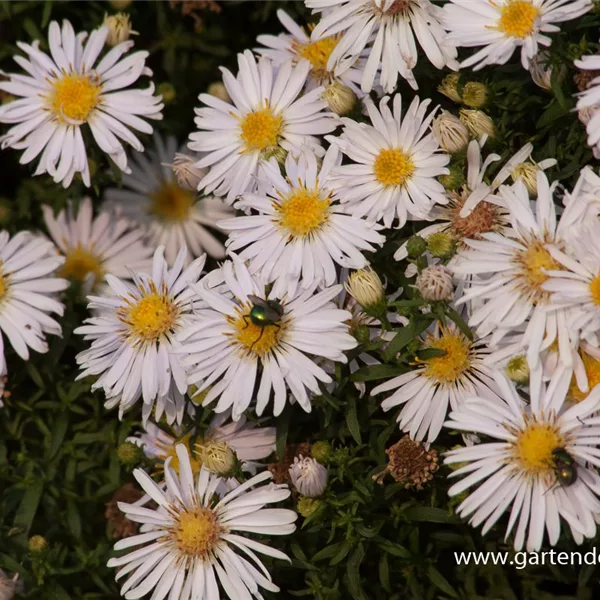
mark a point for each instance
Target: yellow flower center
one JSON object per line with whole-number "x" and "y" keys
{"x": 79, "y": 262}
{"x": 3, "y": 283}
{"x": 196, "y": 533}
{"x": 534, "y": 447}
{"x": 150, "y": 317}
{"x": 518, "y": 18}
{"x": 258, "y": 340}
{"x": 533, "y": 262}
{"x": 74, "y": 96}
{"x": 595, "y": 289}
{"x": 451, "y": 366}
{"x": 592, "y": 370}
{"x": 393, "y": 167}
{"x": 317, "y": 53}
{"x": 303, "y": 212}
{"x": 171, "y": 202}
{"x": 168, "y": 451}
{"x": 260, "y": 130}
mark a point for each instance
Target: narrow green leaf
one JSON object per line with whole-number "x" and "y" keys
{"x": 47, "y": 13}
{"x": 384, "y": 574}
{"x": 59, "y": 431}
{"x": 441, "y": 582}
{"x": 460, "y": 322}
{"x": 429, "y": 514}
{"x": 353, "y": 573}
{"x": 374, "y": 372}
{"x": 29, "y": 505}
{"x": 73, "y": 519}
{"x": 352, "y": 420}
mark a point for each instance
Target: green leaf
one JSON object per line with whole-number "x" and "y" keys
{"x": 406, "y": 335}
{"x": 440, "y": 581}
{"x": 353, "y": 573}
{"x": 394, "y": 549}
{"x": 429, "y": 514}
{"x": 58, "y": 434}
{"x": 374, "y": 372}
{"x": 352, "y": 420}
{"x": 328, "y": 552}
{"x": 73, "y": 519}
{"x": 29, "y": 505}
{"x": 282, "y": 432}
{"x": 430, "y": 353}
{"x": 47, "y": 13}
{"x": 384, "y": 574}
{"x": 460, "y": 322}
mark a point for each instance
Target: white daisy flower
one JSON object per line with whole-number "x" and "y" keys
{"x": 94, "y": 247}
{"x": 522, "y": 469}
{"x": 267, "y": 118}
{"x": 134, "y": 337}
{"x": 437, "y": 382}
{"x": 247, "y": 338}
{"x": 299, "y": 44}
{"x": 392, "y": 26}
{"x": 301, "y": 231}
{"x": 502, "y": 26}
{"x": 190, "y": 543}
{"x": 589, "y": 100}
{"x": 249, "y": 442}
{"x": 28, "y": 293}
{"x": 62, "y": 92}
{"x": 509, "y": 269}
{"x": 398, "y": 162}
{"x": 173, "y": 216}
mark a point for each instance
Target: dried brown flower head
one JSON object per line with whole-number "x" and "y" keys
{"x": 583, "y": 79}
{"x": 483, "y": 218}
{"x": 121, "y": 527}
{"x": 409, "y": 463}
{"x": 280, "y": 470}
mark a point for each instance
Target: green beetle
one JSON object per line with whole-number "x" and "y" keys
{"x": 264, "y": 313}
{"x": 565, "y": 468}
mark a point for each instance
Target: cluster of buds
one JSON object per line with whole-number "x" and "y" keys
{"x": 473, "y": 93}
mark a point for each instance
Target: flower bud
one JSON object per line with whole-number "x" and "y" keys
{"x": 37, "y": 544}
{"x": 307, "y": 506}
{"x": 449, "y": 87}
{"x": 441, "y": 244}
{"x": 186, "y": 172}
{"x": 129, "y": 454}
{"x": 366, "y": 288}
{"x": 308, "y": 476}
{"x": 340, "y": 98}
{"x": 216, "y": 456}
{"x": 218, "y": 90}
{"x": 415, "y": 246}
{"x": 477, "y": 122}
{"x": 362, "y": 334}
{"x": 278, "y": 153}
{"x": 541, "y": 71}
{"x": 517, "y": 369}
{"x": 435, "y": 283}
{"x": 475, "y": 94}
{"x": 321, "y": 451}
{"x": 527, "y": 173}
{"x": 455, "y": 179}
{"x": 119, "y": 28}
{"x": 167, "y": 92}
{"x": 451, "y": 134}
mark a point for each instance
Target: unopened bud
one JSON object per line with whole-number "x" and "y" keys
{"x": 167, "y": 92}
{"x": 362, "y": 334}
{"x": 308, "y": 506}
{"x": 119, "y": 28}
{"x": 541, "y": 71}
{"x": 415, "y": 246}
{"x": 455, "y": 179}
{"x": 451, "y": 134}
{"x": 366, "y": 288}
{"x": 340, "y": 98}
{"x": 475, "y": 94}
{"x": 186, "y": 172}
{"x": 449, "y": 87}
{"x": 216, "y": 456}
{"x": 435, "y": 283}
{"x": 321, "y": 451}
{"x": 308, "y": 476}
{"x": 477, "y": 122}
{"x": 441, "y": 244}
{"x": 517, "y": 369}
{"x": 36, "y": 544}
{"x": 218, "y": 90}
{"x": 129, "y": 454}
{"x": 527, "y": 173}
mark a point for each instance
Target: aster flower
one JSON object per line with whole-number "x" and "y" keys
{"x": 509, "y": 269}
{"x": 517, "y": 470}
{"x": 301, "y": 231}
{"x": 28, "y": 293}
{"x": 437, "y": 382}
{"x": 93, "y": 247}
{"x": 398, "y": 161}
{"x": 266, "y": 118}
{"x": 134, "y": 337}
{"x": 229, "y": 354}
{"x": 392, "y": 26}
{"x": 61, "y": 93}
{"x": 171, "y": 214}
{"x": 589, "y": 100}
{"x": 502, "y": 26}
{"x": 308, "y": 476}
{"x": 190, "y": 543}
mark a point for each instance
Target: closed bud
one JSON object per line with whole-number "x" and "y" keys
{"x": 415, "y": 246}
{"x": 455, "y": 179}
{"x": 451, "y": 134}
{"x": 216, "y": 456}
{"x": 541, "y": 71}
{"x": 186, "y": 172}
{"x": 527, "y": 173}
{"x": 449, "y": 87}
{"x": 119, "y": 28}
{"x": 366, "y": 288}
{"x": 129, "y": 454}
{"x": 362, "y": 334}
{"x": 167, "y": 92}
{"x": 435, "y": 283}
{"x": 477, "y": 122}
{"x": 308, "y": 476}
{"x": 475, "y": 94}
{"x": 321, "y": 451}
{"x": 308, "y": 506}
{"x": 340, "y": 98}
{"x": 37, "y": 544}
{"x": 517, "y": 369}
{"x": 218, "y": 90}
{"x": 441, "y": 244}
